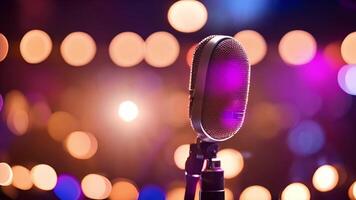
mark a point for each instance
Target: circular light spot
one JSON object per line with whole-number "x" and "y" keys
{"x": 127, "y": 49}
{"x": 81, "y": 145}
{"x": 297, "y": 47}
{"x": 254, "y": 45}
{"x": 22, "y": 178}
{"x": 128, "y": 111}
{"x": 67, "y": 187}
{"x": 124, "y": 189}
{"x": 61, "y": 124}
{"x": 228, "y": 194}
{"x": 4, "y": 47}
{"x": 78, "y": 49}
{"x": 190, "y": 54}
{"x": 350, "y": 80}
{"x": 162, "y": 49}
{"x": 179, "y": 116}
{"x": 352, "y": 191}
{"x": 325, "y": 178}
{"x": 44, "y": 177}
{"x": 296, "y": 191}
{"x": 348, "y": 48}
{"x": 95, "y": 186}
{"x": 180, "y": 155}
{"x": 15, "y": 100}
{"x": 255, "y": 192}
{"x": 150, "y": 192}
{"x": 231, "y": 162}
{"x": 35, "y": 46}
{"x": 187, "y": 16}
{"x": 5, "y": 174}
{"x": 18, "y": 122}
{"x": 332, "y": 54}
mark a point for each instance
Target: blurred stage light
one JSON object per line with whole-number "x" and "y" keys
{"x": 127, "y": 49}
{"x": 232, "y": 162}
{"x": 150, "y": 192}
{"x": 254, "y": 44}
{"x": 67, "y": 188}
{"x": 124, "y": 189}
{"x": 162, "y": 49}
{"x": 255, "y": 192}
{"x": 18, "y": 121}
{"x": 332, "y": 54}
{"x": 95, "y": 186}
{"x": 4, "y": 47}
{"x": 176, "y": 193}
{"x": 81, "y": 145}
{"x": 6, "y": 174}
{"x": 348, "y": 48}
{"x": 78, "y": 49}
{"x": 187, "y": 16}
{"x": 306, "y": 138}
{"x": 180, "y": 155}
{"x": 190, "y": 54}
{"x": 44, "y": 177}
{"x": 325, "y": 178}
{"x": 61, "y": 124}
{"x": 35, "y": 46}
{"x": 179, "y": 116}
{"x": 297, "y": 47}
{"x": 347, "y": 79}
{"x": 229, "y": 195}
{"x": 296, "y": 191}
{"x": 128, "y": 111}
{"x": 352, "y": 191}
{"x": 22, "y": 178}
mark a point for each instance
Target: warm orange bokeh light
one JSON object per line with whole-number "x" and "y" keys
{"x": 178, "y": 117}
{"x": 78, "y": 49}
{"x": 187, "y": 16}
{"x": 162, "y": 49}
{"x": 296, "y": 191}
{"x": 127, "y": 49}
{"x": 332, "y": 53}
{"x": 16, "y": 111}
{"x": 35, "y": 46}
{"x": 254, "y": 45}
{"x": 95, "y": 186}
{"x": 124, "y": 189}
{"x": 81, "y": 145}
{"x": 180, "y": 155}
{"x": 61, "y": 124}
{"x": 297, "y": 47}
{"x": 352, "y": 191}
{"x": 44, "y": 177}
{"x": 4, "y": 47}
{"x": 325, "y": 178}
{"x": 348, "y": 48}
{"x": 22, "y": 178}
{"x": 6, "y": 174}
{"x": 190, "y": 54}
{"x": 232, "y": 162}
{"x": 255, "y": 192}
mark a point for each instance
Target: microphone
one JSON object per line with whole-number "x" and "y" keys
{"x": 219, "y": 86}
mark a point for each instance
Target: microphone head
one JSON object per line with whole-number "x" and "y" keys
{"x": 219, "y": 86}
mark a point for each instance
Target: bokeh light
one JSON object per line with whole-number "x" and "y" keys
{"x": 162, "y": 49}
{"x": 229, "y": 195}
{"x": 254, "y": 45}
{"x": 325, "y": 178}
{"x": 81, "y": 145}
{"x": 348, "y": 48}
{"x": 352, "y": 191}
{"x": 306, "y": 138}
{"x": 4, "y": 47}
{"x": 35, "y": 46}
{"x": 39, "y": 114}
{"x": 232, "y": 162}
{"x": 347, "y": 79}
{"x": 96, "y": 186}
{"x": 67, "y": 188}
{"x": 22, "y": 178}
{"x": 296, "y": 191}
{"x": 187, "y": 16}
{"x": 128, "y": 111}
{"x": 127, "y": 49}
{"x": 6, "y": 174}
{"x": 175, "y": 193}
{"x": 18, "y": 121}
{"x": 180, "y": 155}
{"x": 44, "y": 177}
{"x": 255, "y": 192}
{"x": 124, "y": 189}
{"x": 190, "y": 54}
{"x": 332, "y": 54}
{"x": 179, "y": 116}
{"x": 297, "y": 47}
{"x": 78, "y": 49}
{"x": 150, "y": 192}
{"x": 61, "y": 124}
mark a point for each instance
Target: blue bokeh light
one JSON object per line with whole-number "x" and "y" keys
{"x": 150, "y": 192}
{"x": 306, "y": 138}
{"x": 67, "y": 188}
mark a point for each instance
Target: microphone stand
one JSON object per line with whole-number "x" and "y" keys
{"x": 211, "y": 177}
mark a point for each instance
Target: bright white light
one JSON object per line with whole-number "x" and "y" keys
{"x": 128, "y": 111}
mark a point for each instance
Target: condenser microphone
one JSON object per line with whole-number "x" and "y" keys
{"x": 219, "y": 86}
